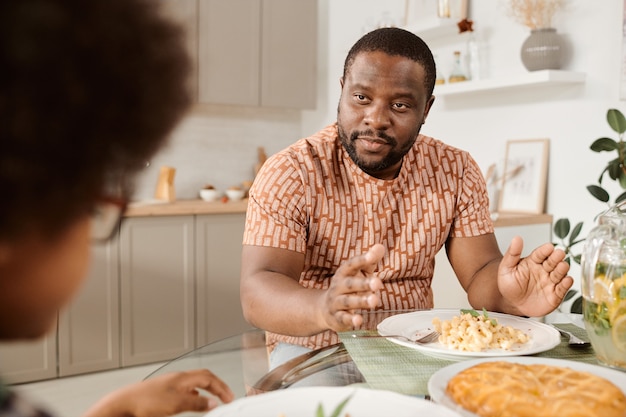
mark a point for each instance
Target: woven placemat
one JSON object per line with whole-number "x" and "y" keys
{"x": 387, "y": 365}
{"x": 563, "y": 351}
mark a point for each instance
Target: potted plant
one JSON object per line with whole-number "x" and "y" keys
{"x": 615, "y": 170}
{"x": 534, "y": 14}
{"x": 543, "y": 49}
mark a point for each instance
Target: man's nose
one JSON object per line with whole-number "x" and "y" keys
{"x": 377, "y": 116}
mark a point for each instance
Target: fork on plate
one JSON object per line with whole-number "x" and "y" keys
{"x": 572, "y": 340}
{"x": 429, "y": 337}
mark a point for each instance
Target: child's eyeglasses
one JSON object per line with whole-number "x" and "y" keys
{"x": 106, "y": 218}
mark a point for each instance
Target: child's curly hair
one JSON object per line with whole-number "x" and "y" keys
{"x": 89, "y": 90}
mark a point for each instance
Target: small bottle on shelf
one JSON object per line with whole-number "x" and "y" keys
{"x": 473, "y": 57}
{"x": 457, "y": 74}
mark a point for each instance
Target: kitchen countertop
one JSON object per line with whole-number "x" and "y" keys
{"x": 184, "y": 207}
{"x": 197, "y": 206}
{"x": 519, "y": 219}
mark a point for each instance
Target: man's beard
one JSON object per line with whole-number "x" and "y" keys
{"x": 394, "y": 156}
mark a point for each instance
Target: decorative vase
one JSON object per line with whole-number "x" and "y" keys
{"x": 543, "y": 49}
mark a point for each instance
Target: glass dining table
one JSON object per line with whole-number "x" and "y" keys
{"x": 242, "y": 361}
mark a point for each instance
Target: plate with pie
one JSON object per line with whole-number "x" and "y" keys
{"x": 529, "y": 386}
{"x": 541, "y": 337}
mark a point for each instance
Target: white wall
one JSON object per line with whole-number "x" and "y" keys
{"x": 219, "y": 145}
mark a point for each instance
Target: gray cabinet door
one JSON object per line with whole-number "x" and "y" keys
{"x": 218, "y": 267}
{"x": 258, "y": 52}
{"x": 185, "y": 13}
{"x": 29, "y": 361}
{"x": 289, "y": 54}
{"x": 89, "y": 327}
{"x": 229, "y": 51}
{"x": 156, "y": 288}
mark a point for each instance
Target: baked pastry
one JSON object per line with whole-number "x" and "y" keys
{"x": 507, "y": 389}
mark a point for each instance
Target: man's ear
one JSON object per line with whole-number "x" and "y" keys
{"x": 427, "y": 108}
{"x": 341, "y": 81}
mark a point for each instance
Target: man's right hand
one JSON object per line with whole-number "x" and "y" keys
{"x": 353, "y": 287}
{"x": 273, "y": 299}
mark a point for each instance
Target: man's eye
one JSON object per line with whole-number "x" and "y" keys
{"x": 400, "y": 106}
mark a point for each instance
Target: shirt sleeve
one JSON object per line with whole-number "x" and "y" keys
{"x": 276, "y": 215}
{"x": 472, "y": 215}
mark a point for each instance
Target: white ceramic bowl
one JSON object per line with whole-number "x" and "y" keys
{"x": 235, "y": 195}
{"x": 209, "y": 194}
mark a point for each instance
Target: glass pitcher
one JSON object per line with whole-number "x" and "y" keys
{"x": 603, "y": 265}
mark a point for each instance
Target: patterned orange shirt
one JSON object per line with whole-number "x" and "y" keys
{"x": 313, "y": 199}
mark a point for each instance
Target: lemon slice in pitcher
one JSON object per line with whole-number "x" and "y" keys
{"x": 618, "y": 332}
{"x": 617, "y": 309}
{"x": 601, "y": 290}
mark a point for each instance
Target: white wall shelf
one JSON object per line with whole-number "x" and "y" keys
{"x": 529, "y": 79}
{"x": 434, "y": 28}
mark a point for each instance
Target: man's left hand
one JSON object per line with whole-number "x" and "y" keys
{"x": 537, "y": 284}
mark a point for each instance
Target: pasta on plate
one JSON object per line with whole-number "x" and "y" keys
{"x": 474, "y": 332}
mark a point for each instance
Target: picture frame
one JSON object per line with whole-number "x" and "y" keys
{"x": 420, "y": 14}
{"x": 523, "y": 188}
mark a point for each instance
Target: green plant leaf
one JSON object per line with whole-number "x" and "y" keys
{"x": 598, "y": 192}
{"x": 575, "y": 233}
{"x": 577, "y": 306}
{"x": 561, "y": 228}
{"x": 470, "y": 311}
{"x": 337, "y": 411}
{"x": 614, "y": 168}
{"x": 569, "y": 294}
{"x": 620, "y": 197}
{"x": 603, "y": 144}
{"x": 616, "y": 171}
{"x": 622, "y": 179}
{"x": 475, "y": 313}
{"x": 602, "y": 175}
{"x": 616, "y": 120}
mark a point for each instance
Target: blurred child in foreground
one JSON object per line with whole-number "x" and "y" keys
{"x": 89, "y": 91}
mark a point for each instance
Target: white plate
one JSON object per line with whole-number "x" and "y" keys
{"x": 439, "y": 380}
{"x": 542, "y": 336}
{"x": 303, "y": 402}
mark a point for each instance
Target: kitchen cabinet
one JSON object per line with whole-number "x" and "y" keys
{"x": 156, "y": 288}
{"x": 218, "y": 268}
{"x": 29, "y": 360}
{"x": 167, "y": 284}
{"x": 185, "y": 13}
{"x": 88, "y": 331}
{"x": 87, "y": 334}
{"x": 258, "y": 53}
{"x": 535, "y": 230}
